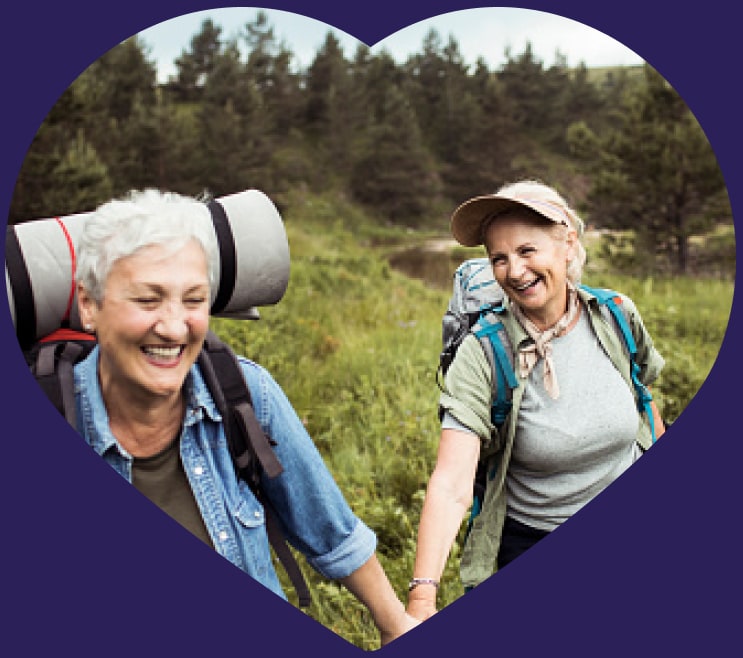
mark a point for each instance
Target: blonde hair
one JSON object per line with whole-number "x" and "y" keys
{"x": 537, "y": 191}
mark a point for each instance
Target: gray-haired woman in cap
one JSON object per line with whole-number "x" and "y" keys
{"x": 574, "y": 425}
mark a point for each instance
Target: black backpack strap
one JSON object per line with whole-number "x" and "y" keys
{"x": 249, "y": 445}
{"x": 251, "y": 449}
{"x": 54, "y": 373}
{"x": 23, "y": 293}
{"x": 227, "y": 256}
{"x": 285, "y": 556}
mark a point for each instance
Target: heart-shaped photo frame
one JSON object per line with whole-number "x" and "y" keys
{"x": 123, "y": 535}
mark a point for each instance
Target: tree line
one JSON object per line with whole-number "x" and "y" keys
{"x": 409, "y": 141}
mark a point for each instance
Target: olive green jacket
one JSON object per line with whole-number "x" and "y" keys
{"x": 467, "y": 396}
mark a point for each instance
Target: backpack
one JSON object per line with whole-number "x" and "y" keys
{"x": 52, "y": 360}
{"x": 476, "y": 294}
{"x": 474, "y": 305}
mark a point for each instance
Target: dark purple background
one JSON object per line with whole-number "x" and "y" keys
{"x": 650, "y": 568}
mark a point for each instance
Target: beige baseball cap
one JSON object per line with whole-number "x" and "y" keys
{"x": 468, "y": 218}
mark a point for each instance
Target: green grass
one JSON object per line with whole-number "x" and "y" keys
{"x": 687, "y": 319}
{"x": 355, "y": 344}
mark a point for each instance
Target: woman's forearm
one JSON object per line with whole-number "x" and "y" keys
{"x": 369, "y": 584}
{"x": 440, "y": 521}
{"x": 448, "y": 497}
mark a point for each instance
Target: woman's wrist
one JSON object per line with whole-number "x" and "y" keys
{"x": 423, "y": 591}
{"x": 390, "y": 620}
{"x": 416, "y": 582}
{"x": 421, "y": 607}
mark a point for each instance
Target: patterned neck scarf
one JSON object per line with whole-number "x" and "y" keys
{"x": 541, "y": 348}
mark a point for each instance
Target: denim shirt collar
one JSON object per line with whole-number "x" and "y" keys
{"x": 93, "y": 419}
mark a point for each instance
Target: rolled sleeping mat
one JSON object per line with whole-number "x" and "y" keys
{"x": 253, "y": 265}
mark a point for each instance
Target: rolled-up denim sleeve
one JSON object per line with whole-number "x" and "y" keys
{"x": 315, "y": 515}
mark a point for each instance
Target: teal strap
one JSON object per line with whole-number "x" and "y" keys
{"x": 505, "y": 377}
{"x": 503, "y": 370}
{"x": 644, "y": 397}
{"x": 474, "y": 513}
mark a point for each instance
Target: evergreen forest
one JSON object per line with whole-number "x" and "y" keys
{"x": 406, "y": 141}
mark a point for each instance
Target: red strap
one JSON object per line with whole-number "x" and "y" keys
{"x": 66, "y": 334}
{"x": 73, "y": 266}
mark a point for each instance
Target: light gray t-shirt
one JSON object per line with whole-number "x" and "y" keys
{"x": 566, "y": 451}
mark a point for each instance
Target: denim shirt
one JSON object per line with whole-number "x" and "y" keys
{"x": 311, "y": 508}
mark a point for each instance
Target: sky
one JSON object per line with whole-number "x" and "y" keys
{"x": 483, "y": 32}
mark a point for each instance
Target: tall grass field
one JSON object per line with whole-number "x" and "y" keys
{"x": 354, "y": 344}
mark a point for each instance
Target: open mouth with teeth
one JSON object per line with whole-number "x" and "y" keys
{"x": 529, "y": 285}
{"x": 163, "y": 354}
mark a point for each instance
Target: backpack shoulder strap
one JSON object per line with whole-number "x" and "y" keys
{"x": 52, "y": 361}
{"x": 497, "y": 347}
{"x": 252, "y": 451}
{"x": 249, "y": 445}
{"x": 55, "y": 376}
{"x": 19, "y": 281}
{"x": 613, "y": 302}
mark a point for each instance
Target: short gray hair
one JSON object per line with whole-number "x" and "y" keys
{"x": 121, "y": 227}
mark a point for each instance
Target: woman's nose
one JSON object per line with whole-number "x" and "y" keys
{"x": 516, "y": 267}
{"x": 172, "y": 323}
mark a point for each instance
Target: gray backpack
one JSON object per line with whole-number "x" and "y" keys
{"x": 473, "y": 307}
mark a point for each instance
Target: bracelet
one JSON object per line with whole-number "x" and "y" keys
{"x": 422, "y": 581}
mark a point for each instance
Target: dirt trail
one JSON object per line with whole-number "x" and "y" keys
{"x": 439, "y": 245}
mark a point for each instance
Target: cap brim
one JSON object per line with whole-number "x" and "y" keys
{"x": 467, "y": 219}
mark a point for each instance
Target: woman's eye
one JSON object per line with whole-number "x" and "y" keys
{"x": 195, "y": 301}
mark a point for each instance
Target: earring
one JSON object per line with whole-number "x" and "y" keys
{"x": 89, "y": 328}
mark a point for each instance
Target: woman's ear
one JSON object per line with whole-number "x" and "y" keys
{"x": 87, "y": 308}
{"x": 571, "y": 241}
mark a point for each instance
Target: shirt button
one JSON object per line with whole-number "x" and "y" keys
{"x": 223, "y": 535}
{"x": 257, "y": 514}
{"x": 198, "y": 470}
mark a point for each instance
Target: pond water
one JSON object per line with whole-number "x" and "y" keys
{"x": 433, "y": 266}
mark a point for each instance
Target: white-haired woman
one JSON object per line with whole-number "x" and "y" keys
{"x": 143, "y": 284}
{"x": 574, "y": 424}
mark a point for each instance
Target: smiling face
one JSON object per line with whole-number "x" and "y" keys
{"x": 530, "y": 258}
{"x": 151, "y": 322}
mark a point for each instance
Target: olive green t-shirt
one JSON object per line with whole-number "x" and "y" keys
{"x": 163, "y": 480}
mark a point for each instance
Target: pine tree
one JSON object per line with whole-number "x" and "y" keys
{"x": 35, "y": 179}
{"x": 195, "y": 65}
{"x": 656, "y": 174}
{"x": 82, "y": 180}
{"x": 394, "y": 173}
